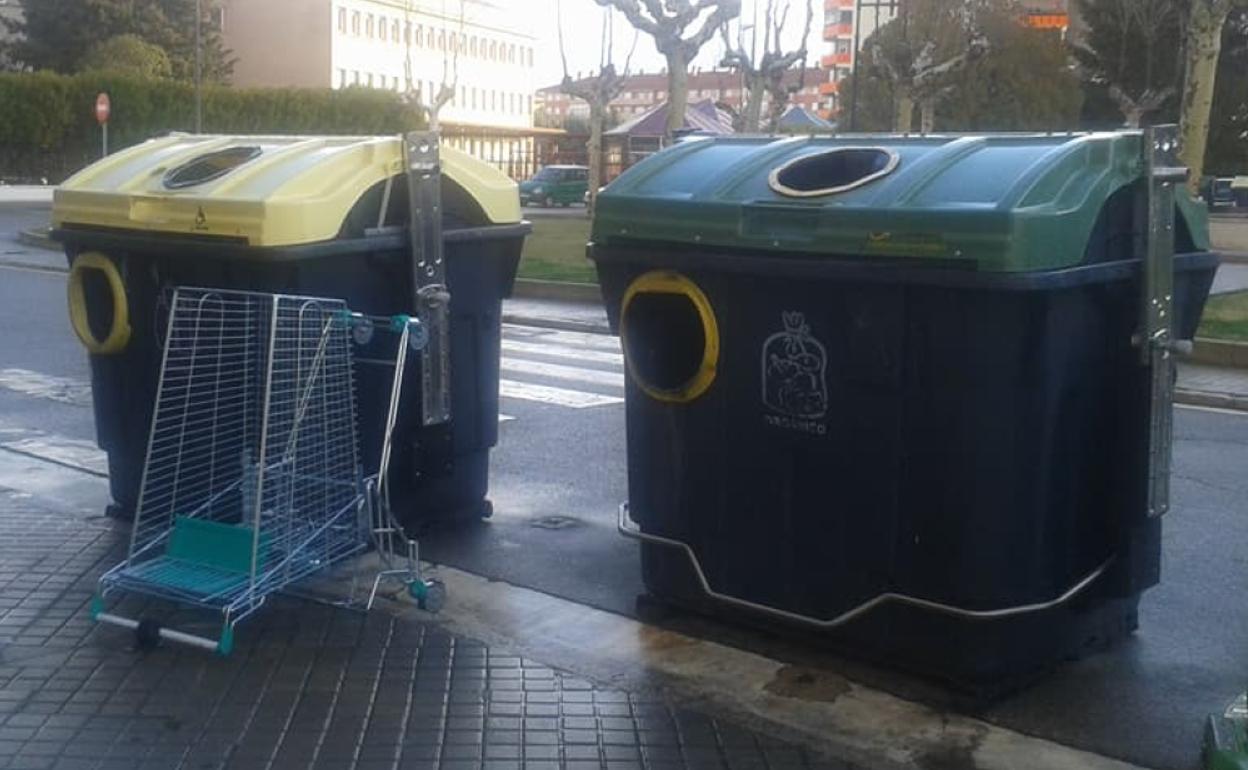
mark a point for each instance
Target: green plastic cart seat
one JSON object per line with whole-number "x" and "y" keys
{"x": 205, "y": 558}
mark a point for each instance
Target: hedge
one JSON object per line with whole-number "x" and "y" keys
{"x": 48, "y": 128}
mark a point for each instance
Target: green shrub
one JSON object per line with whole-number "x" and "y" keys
{"x": 48, "y": 128}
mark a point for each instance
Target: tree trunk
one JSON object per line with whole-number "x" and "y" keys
{"x": 677, "y": 92}
{"x": 753, "y": 112}
{"x": 927, "y": 116}
{"x": 1204, "y": 45}
{"x": 775, "y": 110}
{"x": 597, "y": 114}
{"x": 903, "y": 117}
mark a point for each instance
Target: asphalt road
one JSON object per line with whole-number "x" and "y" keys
{"x": 558, "y": 476}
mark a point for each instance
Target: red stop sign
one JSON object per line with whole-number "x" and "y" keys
{"x": 102, "y": 108}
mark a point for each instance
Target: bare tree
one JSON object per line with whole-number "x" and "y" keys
{"x": 920, "y": 51}
{"x": 668, "y": 21}
{"x": 451, "y": 44}
{"x": 1203, "y": 47}
{"x": 766, "y": 74}
{"x": 597, "y": 91}
{"x": 1129, "y": 58}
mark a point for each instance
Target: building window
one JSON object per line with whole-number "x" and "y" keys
{"x": 474, "y": 97}
{"x": 370, "y": 27}
{"x": 493, "y": 50}
{"x": 342, "y": 78}
{"x": 472, "y": 47}
{"x": 420, "y": 36}
{"x": 355, "y": 23}
{"x": 370, "y": 80}
{"x": 342, "y": 20}
{"x": 407, "y": 33}
{"x": 356, "y": 77}
{"x": 394, "y": 31}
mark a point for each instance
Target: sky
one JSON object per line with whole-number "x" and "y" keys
{"x": 582, "y": 28}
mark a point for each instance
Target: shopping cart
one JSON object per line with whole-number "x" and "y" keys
{"x": 253, "y": 479}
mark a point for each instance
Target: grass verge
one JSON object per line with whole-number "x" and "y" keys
{"x": 1226, "y": 317}
{"x": 555, "y": 251}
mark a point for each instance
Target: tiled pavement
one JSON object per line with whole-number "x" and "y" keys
{"x": 308, "y": 686}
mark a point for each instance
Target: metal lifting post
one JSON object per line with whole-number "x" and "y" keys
{"x": 1156, "y": 338}
{"x": 424, "y": 175}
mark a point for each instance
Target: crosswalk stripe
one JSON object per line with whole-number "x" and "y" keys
{"x": 65, "y": 390}
{"x": 545, "y": 394}
{"x": 563, "y": 351}
{"x": 560, "y": 372}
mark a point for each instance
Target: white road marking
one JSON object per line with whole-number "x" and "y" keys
{"x": 65, "y": 390}
{"x": 545, "y": 394}
{"x": 505, "y": 417}
{"x": 560, "y": 372}
{"x": 564, "y": 351}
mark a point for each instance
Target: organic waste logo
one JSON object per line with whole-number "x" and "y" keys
{"x": 795, "y": 376}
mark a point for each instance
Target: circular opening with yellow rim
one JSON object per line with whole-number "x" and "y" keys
{"x": 670, "y": 336}
{"x": 102, "y": 325}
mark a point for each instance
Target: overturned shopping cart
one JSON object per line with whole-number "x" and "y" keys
{"x": 253, "y": 479}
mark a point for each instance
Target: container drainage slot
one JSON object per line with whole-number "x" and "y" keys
{"x": 834, "y": 171}
{"x": 670, "y": 337}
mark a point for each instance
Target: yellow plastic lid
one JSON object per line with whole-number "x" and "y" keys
{"x": 267, "y": 190}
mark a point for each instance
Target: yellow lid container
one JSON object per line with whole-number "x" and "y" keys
{"x": 264, "y": 190}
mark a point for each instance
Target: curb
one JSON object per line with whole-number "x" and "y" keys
{"x": 584, "y": 327}
{"x": 36, "y": 266}
{"x": 562, "y": 291}
{"x": 1215, "y": 352}
{"x": 38, "y": 237}
{"x": 1234, "y": 257}
{"x": 1233, "y": 401}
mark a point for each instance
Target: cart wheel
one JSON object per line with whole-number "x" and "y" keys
{"x": 430, "y": 595}
{"x": 146, "y": 635}
{"x": 487, "y": 509}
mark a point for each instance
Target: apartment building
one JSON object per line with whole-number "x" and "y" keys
{"x": 642, "y": 92}
{"x": 485, "y": 46}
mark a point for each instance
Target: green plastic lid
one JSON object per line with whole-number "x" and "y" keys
{"x": 1008, "y": 203}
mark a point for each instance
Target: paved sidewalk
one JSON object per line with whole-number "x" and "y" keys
{"x": 308, "y": 686}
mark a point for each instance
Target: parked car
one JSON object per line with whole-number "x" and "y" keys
{"x": 1217, "y": 192}
{"x": 555, "y": 186}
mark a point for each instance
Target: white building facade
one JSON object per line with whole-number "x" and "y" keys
{"x": 486, "y": 47}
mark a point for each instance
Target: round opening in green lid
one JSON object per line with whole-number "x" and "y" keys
{"x": 833, "y": 171}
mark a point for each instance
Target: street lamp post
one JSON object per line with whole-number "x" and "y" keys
{"x": 887, "y": 8}
{"x": 199, "y": 69}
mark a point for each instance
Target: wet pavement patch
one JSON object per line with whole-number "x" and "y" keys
{"x": 555, "y": 522}
{"x": 808, "y": 684}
